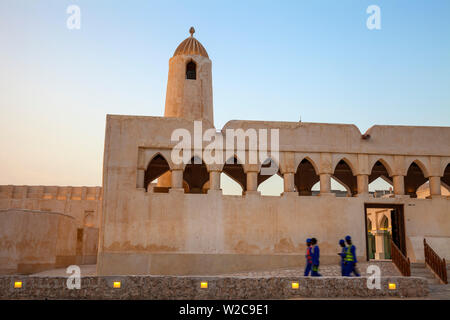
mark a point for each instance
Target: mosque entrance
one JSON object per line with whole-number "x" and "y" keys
{"x": 384, "y": 222}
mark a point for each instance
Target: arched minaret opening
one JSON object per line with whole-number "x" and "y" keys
{"x": 191, "y": 71}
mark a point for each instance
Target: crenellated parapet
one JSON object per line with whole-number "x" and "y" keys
{"x": 50, "y": 192}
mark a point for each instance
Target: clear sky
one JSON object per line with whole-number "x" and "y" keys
{"x": 272, "y": 60}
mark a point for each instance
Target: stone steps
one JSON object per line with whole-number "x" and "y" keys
{"x": 420, "y": 270}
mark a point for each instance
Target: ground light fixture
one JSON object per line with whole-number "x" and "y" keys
{"x": 116, "y": 284}
{"x": 392, "y": 286}
{"x": 204, "y": 285}
{"x": 295, "y": 285}
{"x": 17, "y": 284}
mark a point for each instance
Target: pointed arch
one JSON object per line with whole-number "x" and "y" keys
{"x": 446, "y": 175}
{"x": 384, "y": 222}
{"x": 421, "y": 165}
{"x": 344, "y": 173}
{"x": 380, "y": 171}
{"x": 380, "y": 167}
{"x": 233, "y": 169}
{"x": 196, "y": 175}
{"x": 272, "y": 168}
{"x": 156, "y": 167}
{"x": 314, "y": 159}
{"x": 349, "y": 164}
{"x": 414, "y": 178}
{"x": 306, "y": 176}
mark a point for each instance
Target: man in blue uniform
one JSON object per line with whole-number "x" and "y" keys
{"x": 350, "y": 258}
{"x": 308, "y": 256}
{"x": 315, "y": 258}
{"x": 342, "y": 254}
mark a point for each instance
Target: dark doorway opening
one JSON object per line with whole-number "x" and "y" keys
{"x": 383, "y": 223}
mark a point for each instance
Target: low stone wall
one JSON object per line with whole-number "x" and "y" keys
{"x": 33, "y": 241}
{"x": 170, "y": 287}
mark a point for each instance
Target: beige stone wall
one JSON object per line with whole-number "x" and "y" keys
{"x": 32, "y": 241}
{"x": 203, "y": 234}
{"x": 176, "y": 233}
{"x": 82, "y": 203}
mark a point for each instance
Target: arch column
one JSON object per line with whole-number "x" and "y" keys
{"x": 435, "y": 186}
{"x": 325, "y": 184}
{"x": 399, "y": 185}
{"x": 288, "y": 169}
{"x": 214, "y": 181}
{"x": 325, "y": 172}
{"x": 289, "y": 185}
{"x": 288, "y": 181}
{"x": 362, "y": 181}
{"x": 177, "y": 181}
{"x": 252, "y": 179}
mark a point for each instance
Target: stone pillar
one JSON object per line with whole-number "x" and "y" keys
{"x": 399, "y": 185}
{"x": 379, "y": 245}
{"x": 363, "y": 184}
{"x": 214, "y": 180}
{"x": 177, "y": 179}
{"x": 325, "y": 183}
{"x": 288, "y": 179}
{"x": 140, "y": 178}
{"x": 435, "y": 186}
{"x": 252, "y": 181}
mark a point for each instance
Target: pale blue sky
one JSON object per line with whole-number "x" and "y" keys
{"x": 271, "y": 61}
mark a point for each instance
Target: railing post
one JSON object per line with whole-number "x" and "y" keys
{"x": 400, "y": 261}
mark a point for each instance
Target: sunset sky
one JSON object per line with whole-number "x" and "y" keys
{"x": 272, "y": 60}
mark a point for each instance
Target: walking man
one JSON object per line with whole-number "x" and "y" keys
{"x": 308, "y": 257}
{"x": 350, "y": 258}
{"x": 315, "y": 258}
{"x": 342, "y": 254}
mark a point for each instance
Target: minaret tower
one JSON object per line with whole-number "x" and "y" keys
{"x": 189, "y": 85}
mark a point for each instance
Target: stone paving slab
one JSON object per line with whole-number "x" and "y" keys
{"x": 387, "y": 269}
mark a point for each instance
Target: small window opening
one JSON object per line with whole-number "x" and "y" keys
{"x": 190, "y": 71}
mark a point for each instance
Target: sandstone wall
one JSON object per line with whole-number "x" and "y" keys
{"x": 82, "y": 203}
{"x": 176, "y": 233}
{"x": 32, "y": 241}
{"x": 180, "y": 233}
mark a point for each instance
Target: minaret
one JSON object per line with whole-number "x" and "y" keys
{"x": 189, "y": 85}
